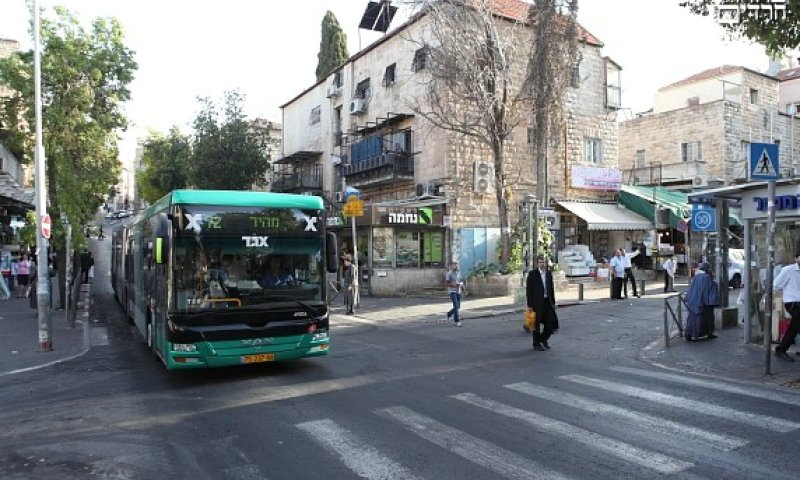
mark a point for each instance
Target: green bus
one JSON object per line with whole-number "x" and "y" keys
{"x": 216, "y": 278}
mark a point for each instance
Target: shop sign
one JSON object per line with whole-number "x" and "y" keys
{"x": 596, "y": 178}
{"x": 782, "y": 202}
{"x": 410, "y": 216}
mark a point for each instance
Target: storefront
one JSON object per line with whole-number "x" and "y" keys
{"x": 401, "y": 246}
{"x": 753, "y": 199}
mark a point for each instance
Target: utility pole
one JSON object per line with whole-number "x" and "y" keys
{"x": 44, "y": 319}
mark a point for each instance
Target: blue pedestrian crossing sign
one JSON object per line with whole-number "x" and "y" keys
{"x": 764, "y": 161}
{"x": 704, "y": 218}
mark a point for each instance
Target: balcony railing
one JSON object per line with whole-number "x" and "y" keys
{"x": 398, "y": 163}
{"x": 296, "y": 182}
{"x": 664, "y": 173}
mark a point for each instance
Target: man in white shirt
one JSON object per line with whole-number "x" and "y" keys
{"x": 788, "y": 281}
{"x": 626, "y": 262}
{"x": 617, "y": 271}
{"x": 669, "y": 274}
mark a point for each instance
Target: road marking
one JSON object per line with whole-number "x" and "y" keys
{"x": 625, "y": 451}
{"x": 649, "y": 422}
{"x": 483, "y": 453}
{"x": 360, "y": 457}
{"x": 754, "y": 419}
{"x": 772, "y": 395}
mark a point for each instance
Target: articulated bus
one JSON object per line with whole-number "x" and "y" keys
{"x": 219, "y": 278}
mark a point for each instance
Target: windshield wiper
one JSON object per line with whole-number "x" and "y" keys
{"x": 308, "y": 308}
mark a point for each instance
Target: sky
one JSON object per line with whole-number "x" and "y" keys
{"x": 268, "y": 49}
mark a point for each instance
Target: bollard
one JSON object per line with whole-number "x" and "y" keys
{"x": 666, "y": 323}
{"x": 580, "y": 292}
{"x": 641, "y": 286}
{"x": 680, "y": 315}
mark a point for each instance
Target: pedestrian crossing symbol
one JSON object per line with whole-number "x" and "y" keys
{"x": 764, "y": 161}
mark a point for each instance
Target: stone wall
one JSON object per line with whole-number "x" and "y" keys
{"x": 398, "y": 282}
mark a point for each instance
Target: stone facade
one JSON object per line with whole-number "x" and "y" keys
{"x": 724, "y": 124}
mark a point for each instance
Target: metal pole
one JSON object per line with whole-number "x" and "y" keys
{"x": 529, "y": 258}
{"x": 747, "y": 282}
{"x": 42, "y": 285}
{"x": 356, "y": 296}
{"x": 535, "y": 237}
{"x": 770, "y": 277}
{"x": 68, "y": 280}
{"x": 666, "y": 323}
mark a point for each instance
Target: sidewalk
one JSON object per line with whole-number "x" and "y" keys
{"x": 19, "y": 338}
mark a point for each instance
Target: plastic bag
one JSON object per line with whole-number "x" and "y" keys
{"x": 530, "y": 320}
{"x": 91, "y": 271}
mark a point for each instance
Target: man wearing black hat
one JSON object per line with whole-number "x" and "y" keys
{"x": 788, "y": 281}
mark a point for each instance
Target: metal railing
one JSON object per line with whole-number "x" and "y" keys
{"x": 674, "y": 314}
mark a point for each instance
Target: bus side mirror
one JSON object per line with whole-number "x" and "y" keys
{"x": 162, "y": 239}
{"x": 331, "y": 252}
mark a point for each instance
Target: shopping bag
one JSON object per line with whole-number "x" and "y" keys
{"x": 91, "y": 271}
{"x": 530, "y": 320}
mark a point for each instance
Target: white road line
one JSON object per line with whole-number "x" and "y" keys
{"x": 363, "y": 459}
{"x": 754, "y": 419}
{"x": 485, "y": 454}
{"x": 765, "y": 394}
{"x": 649, "y": 422}
{"x": 625, "y": 451}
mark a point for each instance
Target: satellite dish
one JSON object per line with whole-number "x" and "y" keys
{"x": 378, "y": 16}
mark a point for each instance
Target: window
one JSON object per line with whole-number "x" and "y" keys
{"x": 613, "y": 85}
{"x": 407, "y": 249}
{"x": 389, "y": 75}
{"x": 575, "y": 77}
{"x": 593, "y": 150}
{"x": 640, "y": 159}
{"x": 382, "y": 247}
{"x": 337, "y": 79}
{"x": 690, "y": 152}
{"x": 363, "y": 89}
{"x": 420, "y": 59}
{"x": 316, "y": 115}
{"x": 753, "y": 96}
{"x": 793, "y": 108}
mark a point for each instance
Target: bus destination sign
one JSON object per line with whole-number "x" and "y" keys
{"x": 253, "y": 222}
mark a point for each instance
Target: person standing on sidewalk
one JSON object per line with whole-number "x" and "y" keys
{"x": 626, "y": 262}
{"x": 701, "y": 299}
{"x": 348, "y": 279}
{"x": 86, "y": 264}
{"x": 617, "y": 272}
{"x": 669, "y": 274}
{"x": 541, "y": 298}
{"x": 788, "y": 281}
{"x": 454, "y": 287}
{"x": 24, "y": 267}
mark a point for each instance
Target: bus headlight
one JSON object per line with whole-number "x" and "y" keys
{"x": 184, "y": 347}
{"x": 319, "y": 336}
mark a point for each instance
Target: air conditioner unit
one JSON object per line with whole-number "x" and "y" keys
{"x": 358, "y": 105}
{"x": 700, "y": 181}
{"x": 336, "y": 160}
{"x": 333, "y": 91}
{"x": 484, "y": 177}
{"x": 426, "y": 189}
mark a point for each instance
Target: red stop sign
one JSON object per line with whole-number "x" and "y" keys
{"x": 46, "y": 226}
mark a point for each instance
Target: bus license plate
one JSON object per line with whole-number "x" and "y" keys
{"x": 258, "y": 358}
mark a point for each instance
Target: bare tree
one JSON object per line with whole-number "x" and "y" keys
{"x": 553, "y": 57}
{"x": 476, "y": 64}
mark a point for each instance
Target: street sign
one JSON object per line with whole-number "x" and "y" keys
{"x": 351, "y": 192}
{"x": 683, "y": 225}
{"x": 704, "y": 218}
{"x": 764, "y": 163}
{"x": 354, "y": 207}
{"x": 46, "y": 226}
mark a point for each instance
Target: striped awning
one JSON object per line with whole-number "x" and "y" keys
{"x": 607, "y": 216}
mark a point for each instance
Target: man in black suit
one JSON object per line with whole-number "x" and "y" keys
{"x": 541, "y": 298}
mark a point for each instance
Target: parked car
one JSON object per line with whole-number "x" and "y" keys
{"x": 735, "y": 267}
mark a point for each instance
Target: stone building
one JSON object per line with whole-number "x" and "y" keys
{"x": 700, "y": 130}
{"x": 429, "y": 192}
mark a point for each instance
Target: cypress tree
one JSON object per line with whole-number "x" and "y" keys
{"x": 332, "y": 47}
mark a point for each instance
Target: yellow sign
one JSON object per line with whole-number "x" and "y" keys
{"x": 354, "y": 207}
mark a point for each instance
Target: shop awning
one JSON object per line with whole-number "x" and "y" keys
{"x": 607, "y": 216}
{"x": 640, "y": 200}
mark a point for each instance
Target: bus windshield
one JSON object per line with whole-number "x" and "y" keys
{"x": 225, "y": 271}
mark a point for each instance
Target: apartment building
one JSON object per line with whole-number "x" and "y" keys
{"x": 429, "y": 192}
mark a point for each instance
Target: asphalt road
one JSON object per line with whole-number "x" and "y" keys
{"x": 400, "y": 400}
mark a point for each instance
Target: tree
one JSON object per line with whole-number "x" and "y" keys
{"x": 554, "y": 54}
{"x": 777, "y": 29}
{"x": 165, "y": 163}
{"x": 228, "y": 152}
{"x": 332, "y": 47}
{"x": 85, "y": 78}
{"x": 475, "y": 64}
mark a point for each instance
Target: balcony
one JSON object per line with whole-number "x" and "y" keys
{"x": 384, "y": 168}
{"x": 658, "y": 173}
{"x": 296, "y": 182}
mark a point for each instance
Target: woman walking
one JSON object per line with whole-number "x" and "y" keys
{"x": 23, "y": 276}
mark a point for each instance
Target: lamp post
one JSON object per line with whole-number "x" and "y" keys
{"x": 44, "y": 320}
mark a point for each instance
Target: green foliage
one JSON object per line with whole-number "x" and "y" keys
{"x": 332, "y": 47}
{"x": 27, "y": 233}
{"x": 777, "y": 32}
{"x": 165, "y": 163}
{"x": 85, "y": 78}
{"x": 227, "y": 151}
